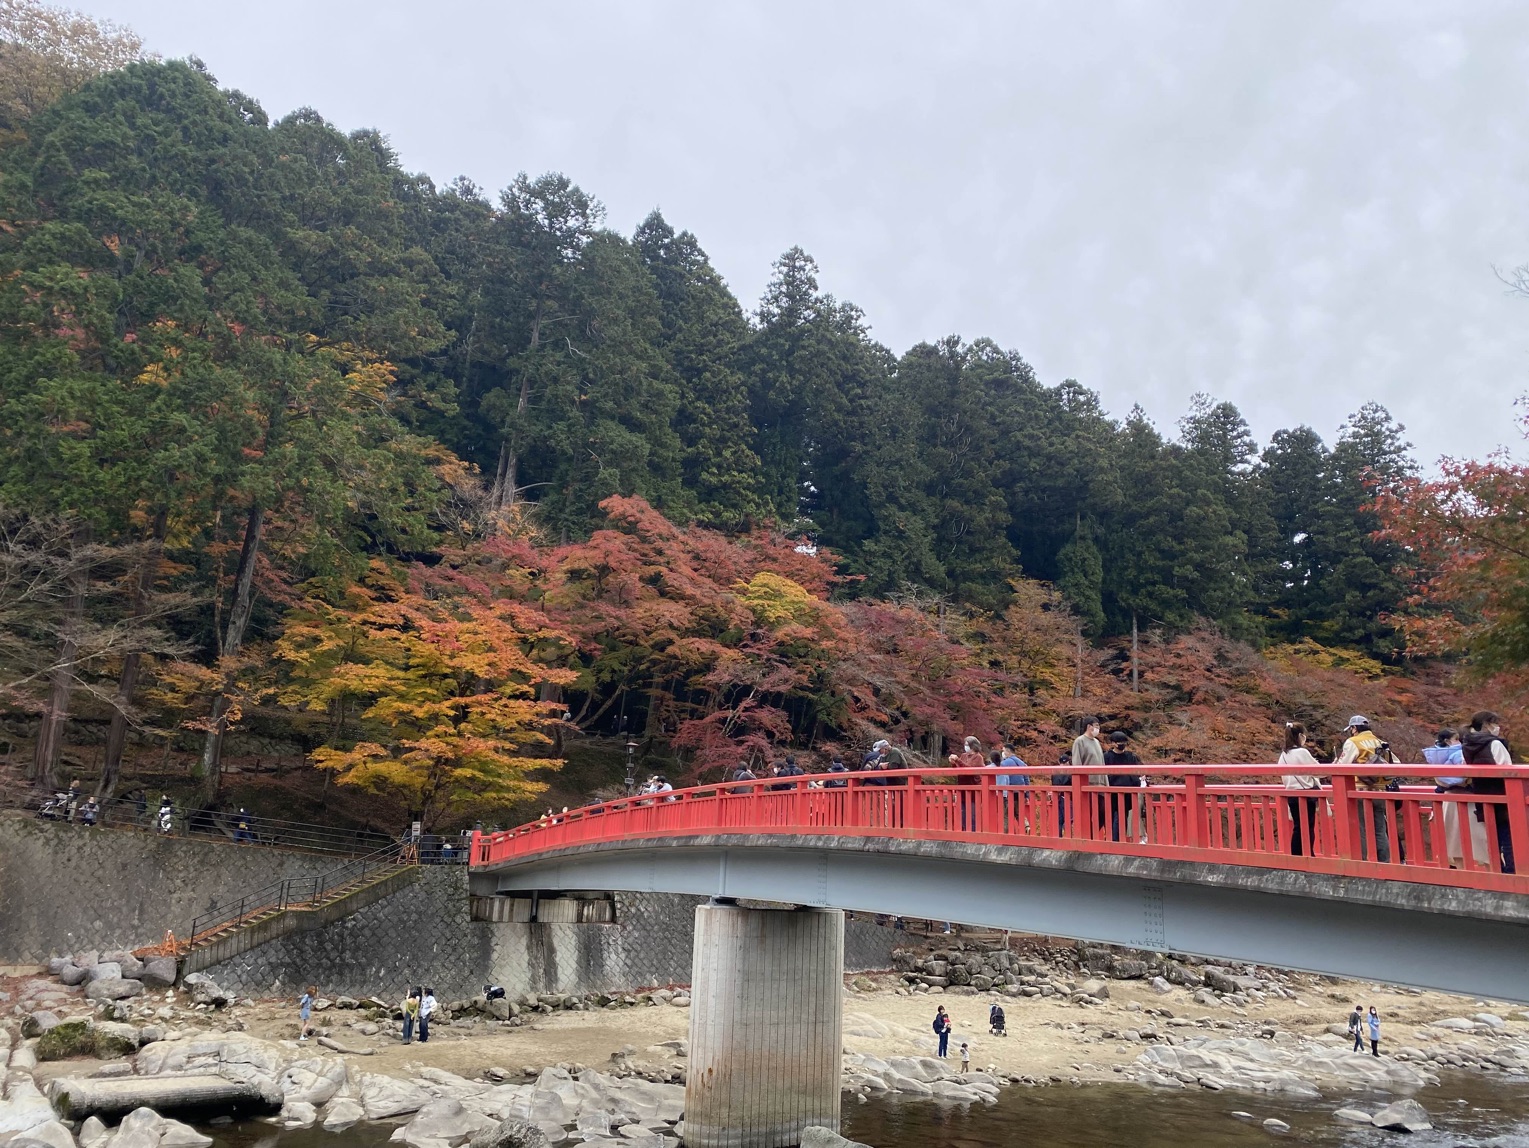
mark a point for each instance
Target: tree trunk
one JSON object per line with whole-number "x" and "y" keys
{"x": 233, "y": 641}
{"x": 1077, "y": 685}
{"x": 1135, "y": 654}
{"x": 116, "y": 735}
{"x": 49, "y": 752}
{"x": 506, "y": 482}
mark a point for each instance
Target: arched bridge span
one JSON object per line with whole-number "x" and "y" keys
{"x": 1200, "y": 863}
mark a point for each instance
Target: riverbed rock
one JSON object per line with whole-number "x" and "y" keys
{"x": 111, "y": 1039}
{"x": 1455, "y": 1024}
{"x": 51, "y": 1133}
{"x": 65, "y": 1040}
{"x": 382, "y": 1096}
{"x": 73, "y": 975}
{"x": 93, "y": 1132}
{"x": 314, "y": 1081}
{"x": 24, "y": 1106}
{"x": 299, "y": 1114}
{"x": 37, "y": 1023}
{"x": 101, "y": 970}
{"x": 341, "y": 1112}
{"x": 511, "y": 1133}
{"x": 1403, "y": 1116}
{"x": 158, "y": 972}
{"x": 113, "y": 989}
{"x": 1352, "y": 1116}
{"x": 1274, "y": 1124}
{"x": 205, "y": 990}
{"x": 443, "y": 1121}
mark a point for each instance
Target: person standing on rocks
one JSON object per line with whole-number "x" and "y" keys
{"x": 942, "y": 1030}
{"x": 1373, "y": 1021}
{"x": 1356, "y": 1027}
{"x": 305, "y": 1011}
{"x": 426, "y": 1011}
{"x": 410, "y": 1014}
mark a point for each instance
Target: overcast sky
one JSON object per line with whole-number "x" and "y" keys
{"x": 1295, "y": 206}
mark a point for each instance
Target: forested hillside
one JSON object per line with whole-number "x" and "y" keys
{"x": 290, "y": 433}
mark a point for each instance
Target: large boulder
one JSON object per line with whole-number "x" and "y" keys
{"x": 341, "y": 1112}
{"x": 205, "y": 990}
{"x": 101, "y": 970}
{"x": 814, "y": 1136}
{"x": 158, "y": 972}
{"x": 382, "y": 1096}
{"x": 511, "y": 1133}
{"x": 1180, "y": 974}
{"x": 312, "y": 1081}
{"x": 443, "y": 1121}
{"x": 50, "y": 1133}
{"x": 1403, "y": 1116}
{"x": 72, "y": 974}
{"x": 113, "y": 989}
{"x": 1219, "y": 980}
{"x": 24, "y": 1106}
{"x": 112, "y": 1039}
{"x": 66, "y": 1040}
{"x": 37, "y": 1023}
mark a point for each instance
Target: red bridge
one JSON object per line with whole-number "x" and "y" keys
{"x": 1406, "y": 884}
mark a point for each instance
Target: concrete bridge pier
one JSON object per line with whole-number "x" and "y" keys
{"x": 766, "y": 1025}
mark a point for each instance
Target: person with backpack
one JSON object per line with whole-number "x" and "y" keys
{"x": 785, "y": 769}
{"x": 942, "y": 1028}
{"x": 1483, "y": 744}
{"x": 837, "y": 766}
{"x": 743, "y": 773}
{"x": 1364, "y": 747}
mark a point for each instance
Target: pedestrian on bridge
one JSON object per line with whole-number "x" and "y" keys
{"x": 1302, "y": 776}
{"x": 1364, "y": 747}
{"x": 1088, "y": 753}
{"x": 1125, "y": 809}
{"x": 1483, "y": 745}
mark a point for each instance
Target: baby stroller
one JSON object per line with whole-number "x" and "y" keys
{"x": 995, "y": 1021}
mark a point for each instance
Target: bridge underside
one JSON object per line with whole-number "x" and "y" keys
{"x": 1456, "y": 940}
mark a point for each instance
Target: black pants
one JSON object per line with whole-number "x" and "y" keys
{"x": 1504, "y": 837}
{"x": 944, "y": 1042}
{"x": 424, "y": 1028}
{"x": 1303, "y": 825}
{"x": 1374, "y": 1048}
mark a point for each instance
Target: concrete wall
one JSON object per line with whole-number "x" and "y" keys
{"x": 65, "y": 887}
{"x": 423, "y": 934}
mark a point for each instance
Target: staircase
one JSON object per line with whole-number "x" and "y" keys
{"x": 296, "y": 905}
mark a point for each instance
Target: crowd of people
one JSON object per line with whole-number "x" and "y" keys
{"x": 1108, "y": 761}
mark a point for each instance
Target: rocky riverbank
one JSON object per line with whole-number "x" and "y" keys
{"x": 603, "y": 1066}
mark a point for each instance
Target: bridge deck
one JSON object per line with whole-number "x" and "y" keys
{"x": 1235, "y": 819}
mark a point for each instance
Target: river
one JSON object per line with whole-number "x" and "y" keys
{"x": 1468, "y": 1112}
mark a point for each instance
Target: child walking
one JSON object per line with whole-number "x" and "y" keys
{"x": 966, "y": 1059}
{"x": 305, "y": 1011}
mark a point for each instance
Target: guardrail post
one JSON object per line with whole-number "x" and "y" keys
{"x": 1516, "y": 847}
{"x": 1343, "y": 815}
{"x": 1194, "y": 810}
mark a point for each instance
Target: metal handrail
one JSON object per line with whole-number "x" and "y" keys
{"x": 221, "y": 825}
{"x": 1218, "y": 814}
{"x": 294, "y": 892}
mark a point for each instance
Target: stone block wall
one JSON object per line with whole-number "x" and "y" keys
{"x": 423, "y": 934}
{"x": 65, "y": 887}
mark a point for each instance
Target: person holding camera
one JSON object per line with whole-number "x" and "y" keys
{"x": 1364, "y": 747}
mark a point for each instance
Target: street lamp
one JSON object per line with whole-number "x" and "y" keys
{"x": 631, "y": 768}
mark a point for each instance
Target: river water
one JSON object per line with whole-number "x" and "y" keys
{"x": 1467, "y": 1111}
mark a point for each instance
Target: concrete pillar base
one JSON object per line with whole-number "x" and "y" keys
{"x": 766, "y": 1026}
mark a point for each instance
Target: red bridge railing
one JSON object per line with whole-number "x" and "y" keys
{"x": 1352, "y": 826}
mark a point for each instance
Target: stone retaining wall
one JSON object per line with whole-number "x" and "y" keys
{"x": 423, "y": 934}
{"x": 65, "y": 887}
